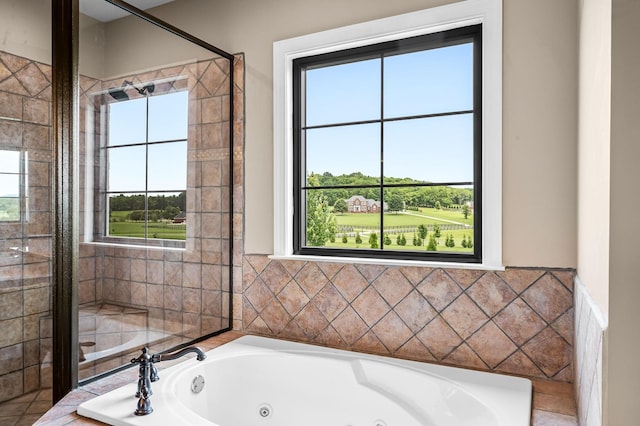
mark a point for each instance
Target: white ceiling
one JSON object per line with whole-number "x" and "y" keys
{"x": 105, "y": 12}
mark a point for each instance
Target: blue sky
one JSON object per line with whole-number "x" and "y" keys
{"x": 9, "y": 166}
{"x": 167, "y": 162}
{"x": 426, "y": 82}
{"x": 431, "y": 149}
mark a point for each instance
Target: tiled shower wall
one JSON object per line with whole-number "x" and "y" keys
{"x": 25, "y": 279}
{"x": 516, "y": 321}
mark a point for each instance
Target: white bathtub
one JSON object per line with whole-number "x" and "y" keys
{"x": 255, "y": 381}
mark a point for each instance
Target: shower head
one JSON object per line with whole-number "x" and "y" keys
{"x": 119, "y": 94}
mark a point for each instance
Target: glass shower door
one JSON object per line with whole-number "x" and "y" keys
{"x": 155, "y": 176}
{"x": 25, "y": 198}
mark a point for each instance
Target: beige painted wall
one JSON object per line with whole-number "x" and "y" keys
{"x": 623, "y": 392}
{"x": 540, "y": 104}
{"x": 134, "y": 45}
{"x": 540, "y": 101}
{"x": 539, "y": 133}
{"x": 91, "y": 46}
{"x": 594, "y": 149}
{"x": 25, "y": 29}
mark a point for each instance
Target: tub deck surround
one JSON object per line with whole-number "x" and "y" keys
{"x": 517, "y": 321}
{"x": 553, "y": 403}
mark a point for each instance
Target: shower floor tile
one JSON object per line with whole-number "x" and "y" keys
{"x": 26, "y": 409}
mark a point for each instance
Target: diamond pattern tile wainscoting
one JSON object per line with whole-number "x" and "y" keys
{"x": 517, "y": 321}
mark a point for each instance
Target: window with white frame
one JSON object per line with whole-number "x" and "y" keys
{"x": 387, "y": 139}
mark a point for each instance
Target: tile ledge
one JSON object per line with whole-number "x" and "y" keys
{"x": 389, "y": 262}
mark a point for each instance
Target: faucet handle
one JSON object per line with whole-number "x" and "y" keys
{"x": 153, "y": 375}
{"x": 144, "y": 357}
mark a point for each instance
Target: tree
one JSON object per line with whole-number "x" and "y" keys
{"x": 465, "y": 211}
{"x": 401, "y": 240}
{"x": 340, "y": 206}
{"x": 438, "y": 205}
{"x": 450, "y": 242}
{"x": 170, "y": 212}
{"x": 344, "y": 238}
{"x": 136, "y": 215}
{"x": 358, "y": 238}
{"x": 395, "y": 202}
{"x": 321, "y": 223}
{"x": 433, "y": 245}
{"x": 436, "y": 231}
{"x": 387, "y": 240}
{"x": 423, "y": 231}
{"x": 373, "y": 240}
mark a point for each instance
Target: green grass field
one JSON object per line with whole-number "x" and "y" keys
{"x": 394, "y": 222}
{"x": 425, "y": 216}
{"x": 457, "y": 236}
{"x": 162, "y": 230}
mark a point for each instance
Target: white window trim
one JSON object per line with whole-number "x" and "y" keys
{"x": 469, "y": 12}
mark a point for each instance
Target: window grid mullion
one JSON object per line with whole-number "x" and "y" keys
{"x": 388, "y": 120}
{"x": 146, "y": 171}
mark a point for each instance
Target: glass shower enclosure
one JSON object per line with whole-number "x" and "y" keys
{"x": 116, "y": 225}
{"x": 26, "y": 162}
{"x": 155, "y": 182}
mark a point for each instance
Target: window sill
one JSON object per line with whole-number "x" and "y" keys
{"x": 132, "y": 246}
{"x": 389, "y": 262}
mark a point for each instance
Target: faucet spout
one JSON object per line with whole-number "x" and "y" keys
{"x": 200, "y": 355}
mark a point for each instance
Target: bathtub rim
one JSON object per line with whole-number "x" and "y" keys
{"x": 163, "y": 400}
